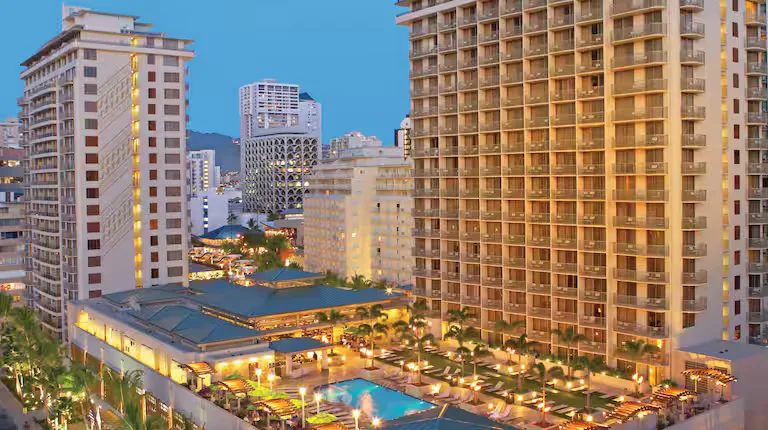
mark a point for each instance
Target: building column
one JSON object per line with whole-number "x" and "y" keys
{"x": 324, "y": 361}
{"x": 288, "y": 365}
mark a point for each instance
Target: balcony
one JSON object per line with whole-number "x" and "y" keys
{"x": 432, "y": 50}
{"x": 565, "y": 317}
{"x": 563, "y": 119}
{"x": 690, "y": 57}
{"x": 536, "y": 27}
{"x": 640, "y": 31}
{"x": 590, "y": 66}
{"x": 641, "y": 195}
{"x": 696, "y": 141}
{"x": 423, "y": 272}
{"x": 470, "y": 300}
{"x": 593, "y": 271}
{"x": 647, "y": 58}
{"x": 424, "y": 71}
{"x": 640, "y": 86}
{"x": 697, "y": 305}
{"x": 637, "y": 276}
{"x": 592, "y": 346}
{"x": 540, "y": 335}
{"x": 512, "y": 31}
{"x": 757, "y": 93}
{"x": 694, "y": 5}
{"x": 757, "y": 317}
{"x": 567, "y": 268}
{"x": 650, "y": 303}
{"x": 758, "y": 243}
{"x": 592, "y": 194}
{"x": 758, "y": 193}
{"x": 641, "y": 222}
{"x": 623, "y": 7}
{"x": 562, "y": 45}
{"x": 755, "y": 43}
{"x": 423, "y": 31}
{"x": 638, "y": 329}
{"x": 512, "y": 239}
{"x": 592, "y": 245}
{"x": 512, "y": 6}
{"x": 760, "y": 118}
{"x": 758, "y": 217}
{"x": 692, "y": 85}
{"x": 656, "y": 359}
{"x": 691, "y": 30}
{"x": 591, "y": 117}
{"x": 517, "y": 308}
{"x": 699, "y": 277}
{"x": 564, "y": 218}
{"x": 591, "y": 39}
{"x": 593, "y": 296}
{"x": 693, "y": 112}
{"x": 540, "y": 312}
{"x": 543, "y": 265}
{"x": 513, "y": 285}
{"x": 493, "y": 304}
{"x": 694, "y": 195}
{"x": 646, "y": 113}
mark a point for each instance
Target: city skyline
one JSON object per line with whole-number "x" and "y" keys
{"x": 327, "y": 74}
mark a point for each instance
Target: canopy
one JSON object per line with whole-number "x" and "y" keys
{"x": 627, "y": 410}
{"x": 278, "y": 407}
{"x": 714, "y": 374}
{"x": 670, "y": 395}
{"x": 330, "y": 426}
{"x": 235, "y": 386}
{"x": 200, "y": 368}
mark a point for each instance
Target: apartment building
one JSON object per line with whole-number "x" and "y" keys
{"x": 11, "y": 223}
{"x": 203, "y": 172}
{"x": 103, "y": 122}
{"x": 357, "y": 213}
{"x": 9, "y": 133}
{"x": 579, "y": 163}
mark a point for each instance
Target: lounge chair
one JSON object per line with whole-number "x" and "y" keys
{"x": 502, "y": 415}
{"x": 497, "y": 410}
{"x": 433, "y": 371}
{"x": 496, "y": 387}
{"x": 445, "y": 395}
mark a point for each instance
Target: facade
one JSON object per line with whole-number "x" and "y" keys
{"x": 203, "y": 172}
{"x": 12, "y": 224}
{"x": 403, "y": 135}
{"x": 357, "y": 214}
{"x": 212, "y": 209}
{"x": 580, "y": 164}
{"x": 9, "y": 133}
{"x": 276, "y": 170}
{"x": 103, "y": 121}
{"x": 311, "y": 115}
{"x": 268, "y": 107}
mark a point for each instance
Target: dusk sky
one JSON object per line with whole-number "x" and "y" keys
{"x": 348, "y": 54}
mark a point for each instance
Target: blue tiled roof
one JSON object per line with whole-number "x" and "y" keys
{"x": 294, "y": 345}
{"x": 305, "y": 97}
{"x": 257, "y": 301}
{"x": 406, "y": 287}
{"x": 283, "y": 274}
{"x": 191, "y": 324}
{"x": 444, "y": 418}
{"x": 226, "y": 232}
{"x": 143, "y": 295}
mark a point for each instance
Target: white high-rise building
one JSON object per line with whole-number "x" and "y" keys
{"x": 9, "y": 133}
{"x": 203, "y": 172}
{"x": 281, "y": 131}
{"x": 357, "y": 213}
{"x": 591, "y": 164}
{"x": 104, "y": 125}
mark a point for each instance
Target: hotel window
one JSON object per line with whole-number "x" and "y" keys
{"x": 92, "y": 210}
{"x": 92, "y": 193}
{"x": 92, "y": 175}
{"x": 171, "y": 77}
{"x": 737, "y": 332}
{"x": 172, "y": 142}
{"x": 736, "y": 156}
{"x": 151, "y": 59}
{"x": 94, "y": 278}
{"x": 91, "y": 124}
{"x": 91, "y": 140}
{"x": 91, "y": 158}
{"x": 153, "y": 224}
{"x": 153, "y": 158}
{"x": 173, "y": 223}
{"x": 689, "y": 320}
{"x": 94, "y": 244}
{"x": 89, "y": 72}
{"x": 151, "y": 109}
{"x": 153, "y": 208}
{"x": 175, "y": 271}
{"x": 90, "y": 89}
{"x": 152, "y": 142}
{"x": 152, "y": 92}
{"x": 93, "y": 227}
{"x": 91, "y": 107}
{"x": 737, "y": 282}
{"x": 735, "y": 80}
{"x": 153, "y": 240}
{"x": 737, "y": 307}
{"x": 152, "y": 191}
{"x": 94, "y": 261}
{"x": 172, "y": 158}
{"x": 153, "y": 175}
{"x": 155, "y": 273}
{"x": 89, "y": 54}
{"x": 151, "y": 77}
{"x": 174, "y": 256}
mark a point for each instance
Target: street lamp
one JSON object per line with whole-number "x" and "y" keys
{"x": 258, "y": 377}
{"x": 375, "y": 422}
{"x": 356, "y": 414}
{"x": 270, "y": 378}
{"x": 303, "y": 391}
{"x": 318, "y": 397}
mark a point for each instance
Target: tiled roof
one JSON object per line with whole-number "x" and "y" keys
{"x": 226, "y": 232}
{"x": 196, "y": 267}
{"x": 258, "y": 301}
{"x": 283, "y": 274}
{"x": 444, "y": 418}
{"x": 191, "y": 324}
{"x": 293, "y": 345}
{"x": 142, "y": 295}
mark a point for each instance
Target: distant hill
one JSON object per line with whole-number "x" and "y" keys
{"x": 227, "y": 153}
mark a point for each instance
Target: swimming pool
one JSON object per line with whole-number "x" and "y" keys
{"x": 373, "y": 399}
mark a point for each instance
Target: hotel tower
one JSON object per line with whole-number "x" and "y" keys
{"x": 596, "y": 164}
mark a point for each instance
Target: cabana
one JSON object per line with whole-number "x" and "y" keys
{"x": 202, "y": 372}
{"x": 721, "y": 378}
{"x": 629, "y": 410}
{"x": 289, "y": 347}
{"x": 581, "y": 425}
{"x": 281, "y": 408}
{"x": 671, "y": 395}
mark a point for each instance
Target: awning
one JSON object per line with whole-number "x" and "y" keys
{"x": 235, "y": 386}
{"x": 581, "y": 425}
{"x": 670, "y": 395}
{"x": 714, "y": 374}
{"x": 277, "y": 407}
{"x": 330, "y": 426}
{"x": 628, "y": 410}
{"x": 200, "y": 368}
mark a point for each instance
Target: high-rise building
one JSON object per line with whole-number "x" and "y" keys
{"x": 11, "y": 224}
{"x": 592, "y": 164}
{"x": 9, "y": 133}
{"x": 203, "y": 172}
{"x": 281, "y": 131}
{"x": 103, "y": 119}
{"x": 357, "y": 213}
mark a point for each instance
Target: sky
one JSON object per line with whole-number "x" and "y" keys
{"x": 348, "y": 54}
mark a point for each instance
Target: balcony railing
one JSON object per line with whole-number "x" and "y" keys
{"x": 640, "y": 31}
{"x": 632, "y": 6}
{"x": 697, "y": 305}
{"x": 641, "y": 329}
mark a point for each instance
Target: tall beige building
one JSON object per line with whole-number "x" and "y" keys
{"x": 103, "y": 125}
{"x": 592, "y": 164}
{"x": 358, "y": 212}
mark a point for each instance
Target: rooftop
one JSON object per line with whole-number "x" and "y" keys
{"x": 226, "y": 232}
{"x": 258, "y": 301}
{"x": 305, "y": 97}
{"x": 283, "y": 274}
{"x": 445, "y": 417}
{"x": 725, "y": 349}
{"x": 196, "y": 267}
{"x": 191, "y": 324}
{"x": 295, "y": 345}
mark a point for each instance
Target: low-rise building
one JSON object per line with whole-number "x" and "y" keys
{"x": 357, "y": 216}
{"x": 214, "y": 208}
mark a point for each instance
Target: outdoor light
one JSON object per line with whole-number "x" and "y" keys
{"x": 318, "y": 397}
{"x": 621, "y": 398}
{"x": 271, "y": 377}
{"x": 303, "y": 391}
{"x": 590, "y": 418}
{"x": 258, "y": 377}
{"x": 389, "y": 290}
{"x": 375, "y": 422}
{"x": 356, "y": 414}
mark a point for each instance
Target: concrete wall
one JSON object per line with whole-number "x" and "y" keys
{"x": 729, "y": 416}
{"x": 201, "y": 411}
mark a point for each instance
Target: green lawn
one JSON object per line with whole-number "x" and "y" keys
{"x": 574, "y": 399}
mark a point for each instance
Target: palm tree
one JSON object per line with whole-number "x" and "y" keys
{"x": 134, "y": 418}
{"x": 6, "y": 303}
{"x": 479, "y": 352}
{"x": 462, "y": 335}
{"x": 251, "y": 223}
{"x": 77, "y": 381}
{"x": 124, "y": 386}
{"x": 521, "y": 345}
{"x": 507, "y": 327}
{"x": 590, "y": 366}
{"x": 541, "y": 372}
{"x": 459, "y": 316}
{"x": 370, "y": 331}
{"x": 333, "y": 280}
{"x": 637, "y": 350}
{"x": 570, "y": 338}
{"x": 412, "y": 331}
{"x": 381, "y": 284}
{"x": 359, "y": 282}
{"x": 232, "y": 219}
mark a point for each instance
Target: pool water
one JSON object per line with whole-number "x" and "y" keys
{"x": 373, "y": 399}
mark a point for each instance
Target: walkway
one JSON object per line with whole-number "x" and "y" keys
{"x": 14, "y": 409}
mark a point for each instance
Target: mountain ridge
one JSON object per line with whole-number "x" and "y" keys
{"x": 227, "y": 153}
